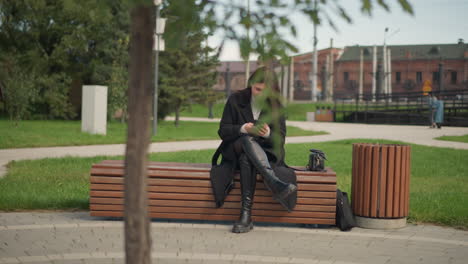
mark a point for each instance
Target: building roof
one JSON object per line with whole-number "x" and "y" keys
{"x": 326, "y": 50}
{"x": 236, "y": 66}
{"x": 410, "y": 52}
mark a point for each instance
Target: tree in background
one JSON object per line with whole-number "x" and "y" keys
{"x": 188, "y": 68}
{"x": 118, "y": 83}
{"x": 62, "y": 42}
{"x": 18, "y": 89}
{"x": 209, "y": 95}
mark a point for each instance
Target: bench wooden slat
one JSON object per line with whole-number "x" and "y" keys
{"x": 223, "y": 211}
{"x": 208, "y": 197}
{"x": 294, "y": 220}
{"x": 200, "y": 183}
{"x": 200, "y": 167}
{"x": 183, "y": 191}
{"x": 198, "y": 175}
{"x": 210, "y": 204}
{"x": 203, "y": 190}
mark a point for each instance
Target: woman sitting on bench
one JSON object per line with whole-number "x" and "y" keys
{"x": 254, "y": 130}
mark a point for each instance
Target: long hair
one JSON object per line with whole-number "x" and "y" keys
{"x": 264, "y": 75}
{"x": 272, "y": 98}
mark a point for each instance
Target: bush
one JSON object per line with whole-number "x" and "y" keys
{"x": 18, "y": 88}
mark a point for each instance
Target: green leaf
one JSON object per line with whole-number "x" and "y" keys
{"x": 344, "y": 15}
{"x": 244, "y": 44}
{"x": 284, "y": 21}
{"x": 383, "y": 4}
{"x": 366, "y": 7}
{"x": 293, "y": 31}
{"x": 406, "y": 6}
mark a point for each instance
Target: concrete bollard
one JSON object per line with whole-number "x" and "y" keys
{"x": 94, "y": 109}
{"x": 311, "y": 116}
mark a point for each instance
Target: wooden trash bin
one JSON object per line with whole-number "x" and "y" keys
{"x": 380, "y": 185}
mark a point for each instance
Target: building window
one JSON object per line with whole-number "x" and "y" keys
{"x": 435, "y": 77}
{"x": 418, "y": 77}
{"x": 453, "y": 77}
{"x": 398, "y": 77}
{"x": 346, "y": 76}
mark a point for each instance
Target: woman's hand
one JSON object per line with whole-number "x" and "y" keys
{"x": 250, "y": 128}
{"x": 253, "y": 130}
{"x": 263, "y": 130}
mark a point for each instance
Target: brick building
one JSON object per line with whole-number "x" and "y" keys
{"x": 232, "y": 75}
{"x": 302, "y": 68}
{"x": 412, "y": 66}
{"x": 297, "y": 85}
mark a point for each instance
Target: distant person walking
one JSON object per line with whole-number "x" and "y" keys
{"x": 436, "y": 107}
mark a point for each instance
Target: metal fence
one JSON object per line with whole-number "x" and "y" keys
{"x": 401, "y": 108}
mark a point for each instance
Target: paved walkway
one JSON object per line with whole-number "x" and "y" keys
{"x": 78, "y": 238}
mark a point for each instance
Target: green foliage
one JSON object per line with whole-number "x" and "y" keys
{"x": 61, "y": 41}
{"x": 54, "y": 43}
{"x": 188, "y": 70}
{"x": 18, "y": 88}
{"x": 118, "y": 83}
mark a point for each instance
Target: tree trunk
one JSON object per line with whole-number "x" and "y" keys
{"x": 137, "y": 224}
{"x": 123, "y": 117}
{"x": 210, "y": 110}
{"x": 177, "y": 116}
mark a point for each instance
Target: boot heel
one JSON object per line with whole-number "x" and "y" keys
{"x": 288, "y": 191}
{"x": 238, "y": 228}
{"x": 284, "y": 195}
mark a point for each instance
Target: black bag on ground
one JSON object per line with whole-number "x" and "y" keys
{"x": 316, "y": 160}
{"x": 344, "y": 215}
{"x": 221, "y": 177}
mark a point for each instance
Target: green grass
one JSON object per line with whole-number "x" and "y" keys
{"x": 68, "y": 133}
{"x": 463, "y": 138}
{"x": 295, "y": 111}
{"x": 198, "y": 110}
{"x": 438, "y": 191}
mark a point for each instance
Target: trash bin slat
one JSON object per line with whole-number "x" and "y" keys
{"x": 390, "y": 177}
{"x": 396, "y": 188}
{"x": 374, "y": 179}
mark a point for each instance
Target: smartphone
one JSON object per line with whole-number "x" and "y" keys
{"x": 258, "y": 124}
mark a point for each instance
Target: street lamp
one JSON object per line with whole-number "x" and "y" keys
{"x": 158, "y": 46}
{"x": 387, "y": 65}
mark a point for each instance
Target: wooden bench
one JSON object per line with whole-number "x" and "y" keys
{"x": 183, "y": 191}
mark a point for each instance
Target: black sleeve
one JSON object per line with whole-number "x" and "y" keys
{"x": 229, "y": 127}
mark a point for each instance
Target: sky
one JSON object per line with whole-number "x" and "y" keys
{"x": 433, "y": 22}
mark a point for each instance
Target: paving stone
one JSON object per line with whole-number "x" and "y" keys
{"x": 73, "y": 239}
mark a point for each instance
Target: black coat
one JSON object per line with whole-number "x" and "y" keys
{"x": 237, "y": 112}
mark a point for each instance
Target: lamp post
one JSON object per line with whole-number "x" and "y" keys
{"x": 384, "y": 64}
{"x": 313, "y": 89}
{"x": 158, "y": 46}
{"x": 387, "y": 65}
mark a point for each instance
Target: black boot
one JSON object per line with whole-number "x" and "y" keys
{"x": 248, "y": 178}
{"x": 281, "y": 190}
